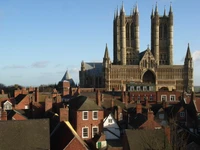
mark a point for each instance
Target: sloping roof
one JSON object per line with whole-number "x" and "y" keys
{"x": 62, "y": 136}
{"x": 25, "y": 134}
{"x": 83, "y": 103}
{"x": 11, "y": 113}
{"x": 19, "y": 98}
{"x": 67, "y": 77}
{"x": 93, "y": 68}
{"x": 146, "y": 139}
{"x": 108, "y": 103}
{"x": 142, "y": 54}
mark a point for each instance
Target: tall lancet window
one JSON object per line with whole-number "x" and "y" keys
{"x": 165, "y": 31}
{"x": 132, "y": 31}
{"x": 161, "y": 32}
{"x": 127, "y": 30}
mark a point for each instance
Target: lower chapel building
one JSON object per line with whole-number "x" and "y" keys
{"x": 150, "y": 67}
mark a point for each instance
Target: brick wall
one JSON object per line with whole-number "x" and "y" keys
{"x": 89, "y": 123}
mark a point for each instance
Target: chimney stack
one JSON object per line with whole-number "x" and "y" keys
{"x": 2, "y": 92}
{"x": 98, "y": 98}
{"x": 150, "y": 115}
{"x": 64, "y": 114}
{"x": 48, "y": 104}
{"x": 36, "y": 94}
{"x": 138, "y": 108}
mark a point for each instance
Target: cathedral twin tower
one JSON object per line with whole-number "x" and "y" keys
{"x": 151, "y": 67}
{"x": 126, "y": 37}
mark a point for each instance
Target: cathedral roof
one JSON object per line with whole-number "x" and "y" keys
{"x": 94, "y": 68}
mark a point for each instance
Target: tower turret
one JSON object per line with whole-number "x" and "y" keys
{"x": 123, "y": 35}
{"x": 136, "y": 26}
{"x": 106, "y": 58}
{"x": 152, "y": 13}
{"x": 188, "y": 72}
{"x": 188, "y": 58}
{"x": 156, "y": 35}
{"x": 106, "y": 69}
{"x": 171, "y": 28}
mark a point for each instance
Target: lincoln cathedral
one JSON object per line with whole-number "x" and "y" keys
{"x": 131, "y": 66}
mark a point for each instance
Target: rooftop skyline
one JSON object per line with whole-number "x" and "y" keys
{"x": 40, "y": 40}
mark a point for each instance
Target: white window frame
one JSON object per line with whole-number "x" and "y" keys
{"x": 150, "y": 88}
{"x": 138, "y": 88}
{"x": 93, "y": 116}
{"x": 171, "y": 98}
{"x": 83, "y": 112}
{"x": 182, "y": 114}
{"x": 144, "y": 88}
{"x": 87, "y": 132}
{"x": 162, "y": 96}
{"x": 93, "y": 130}
{"x": 131, "y": 88}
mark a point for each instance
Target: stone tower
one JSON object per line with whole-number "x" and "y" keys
{"x": 126, "y": 37}
{"x": 162, "y": 36}
{"x": 106, "y": 68}
{"x": 188, "y": 69}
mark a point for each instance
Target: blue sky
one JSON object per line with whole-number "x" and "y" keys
{"x": 41, "y": 39}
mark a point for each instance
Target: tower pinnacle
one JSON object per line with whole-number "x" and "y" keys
{"x": 164, "y": 11}
{"x": 156, "y": 9}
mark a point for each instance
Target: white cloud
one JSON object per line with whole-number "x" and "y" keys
{"x": 40, "y": 64}
{"x": 14, "y": 67}
{"x": 196, "y": 55}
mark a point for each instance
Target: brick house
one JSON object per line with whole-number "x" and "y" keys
{"x": 86, "y": 117}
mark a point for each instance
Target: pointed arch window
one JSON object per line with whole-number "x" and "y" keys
{"x": 165, "y": 32}
{"x": 132, "y": 31}
{"x": 161, "y": 32}
{"x": 127, "y": 30}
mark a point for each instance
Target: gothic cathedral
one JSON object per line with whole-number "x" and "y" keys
{"x": 130, "y": 66}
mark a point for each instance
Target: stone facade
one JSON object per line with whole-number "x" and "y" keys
{"x": 151, "y": 66}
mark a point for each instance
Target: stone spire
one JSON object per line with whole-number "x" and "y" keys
{"x": 164, "y": 11}
{"x": 122, "y": 8}
{"x": 152, "y": 13}
{"x": 156, "y": 9}
{"x": 106, "y": 54}
{"x": 170, "y": 9}
{"x": 136, "y": 8}
{"x": 188, "y": 54}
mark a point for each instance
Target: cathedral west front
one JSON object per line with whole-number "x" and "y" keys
{"x": 152, "y": 67}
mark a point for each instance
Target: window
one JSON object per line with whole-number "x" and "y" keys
{"x": 151, "y": 98}
{"x": 172, "y": 98}
{"x": 163, "y": 97}
{"x": 109, "y": 120}
{"x": 182, "y": 114}
{"x": 95, "y": 130}
{"x": 131, "y": 88}
{"x": 150, "y": 88}
{"x": 144, "y": 88}
{"x": 85, "y": 115}
{"x": 85, "y": 133}
{"x": 138, "y": 88}
{"x": 161, "y": 116}
{"x": 127, "y": 31}
{"x": 26, "y": 107}
{"x": 120, "y": 116}
{"x": 95, "y": 115}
